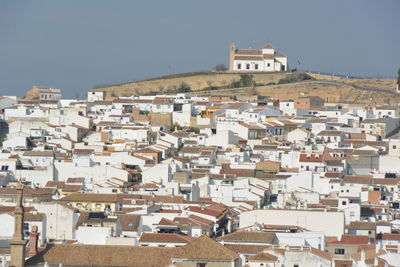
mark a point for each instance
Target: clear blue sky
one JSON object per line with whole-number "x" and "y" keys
{"x": 75, "y": 45}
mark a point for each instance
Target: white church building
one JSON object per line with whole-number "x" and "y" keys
{"x": 252, "y": 60}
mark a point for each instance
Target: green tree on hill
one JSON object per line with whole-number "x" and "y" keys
{"x": 246, "y": 80}
{"x": 184, "y": 88}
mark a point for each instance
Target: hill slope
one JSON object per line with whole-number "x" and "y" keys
{"x": 330, "y": 88}
{"x": 196, "y": 81}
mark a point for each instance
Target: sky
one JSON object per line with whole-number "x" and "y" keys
{"x": 76, "y": 45}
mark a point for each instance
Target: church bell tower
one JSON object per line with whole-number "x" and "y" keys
{"x": 18, "y": 243}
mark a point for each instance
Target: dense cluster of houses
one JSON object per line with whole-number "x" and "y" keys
{"x": 179, "y": 180}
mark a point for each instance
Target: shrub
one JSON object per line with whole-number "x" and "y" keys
{"x": 295, "y": 77}
{"x": 183, "y": 88}
{"x": 221, "y": 67}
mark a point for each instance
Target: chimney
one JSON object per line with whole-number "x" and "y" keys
{"x": 33, "y": 241}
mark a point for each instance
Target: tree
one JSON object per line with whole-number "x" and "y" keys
{"x": 184, "y": 88}
{"x": 398, "y": 78}
{"x": 221, "y": 67}
{"x": 246, "y": 80}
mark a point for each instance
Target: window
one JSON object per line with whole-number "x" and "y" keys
{"x": 4, "y": 168}
{"x": 295, "y": 265}
{"x": 247, "y": 66}
{"x": 268, "y": 65}
{"x": 394, "y": 147}
{"x": 239, "y": 66}
{"x": 344, "y": 203}
{"x": 256, "y": 66}
{"x": 201, "y": 264}
{"x": 339, "y": 251}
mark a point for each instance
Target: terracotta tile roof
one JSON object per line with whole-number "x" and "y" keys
{"x": 265, "y": 147}
{"x": 91, "y": 197}
{"x": 83, "y": 151}
{"x": 333, "y": 175}
{"x": 391, "y": 237}
{"x": 179, "y": 134}
{"x": 75, "y": 180}
{"x": 321, "y": 253}
{"x": 352, "y": 240}
{"x": 39, "y": 153}
{"x": 268, "y": 46}
{"x": 248, "y": 236}
{"x": 248, "y": 58}
{"x": 129, "y": 222}
{"x": 263, "y": 257}
{"x": 192, "y": 149}
{"x": 330, "y": 133}
{"x": 71, "y": 188}
{"x": 310, "y": 157}
{"x": 182, "y": 159}
{"x": 193, "y": 220}
{"x": 27, "y": 191}
{"x": 362, "y": 226}
{"x": 385, "y": 181}
{"x": 200, "y": 220}
{"x": 104, "y": 255}
{"x": 161, "y": 100}
{"x": 357, "y": 179}
{"x": 165, "y": 238}
{"x": 169, "y": 211}
{"x": 251, "y": 126}
{"x": 206, "y": 248}
{"x": 246, "y": 249}
{"x": 248, "y": 52}
{"x": 279, "y": 54}
{"x": 343, "y": 263}
{"x": 165, "y": 221}
{"x": 55, "y": 184}
{"x": 37, "y": 217}
{"x": 204, "y": 211}
{"x": 330, "y": 202}
{"x": 10, "y": 209}
{"x": 227, "y": 169}
{"x": 163, "y": 199}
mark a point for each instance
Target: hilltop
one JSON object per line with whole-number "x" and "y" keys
{"x": 282, "y": 85}
{"x": 196, "y": 80}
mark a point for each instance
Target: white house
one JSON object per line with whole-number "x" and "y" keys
{"x": 265, "y": 59}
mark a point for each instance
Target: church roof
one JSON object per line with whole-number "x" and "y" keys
{"x": 268, "y": 46}
{"x": 249, "y": 52}
{"x": 279, "y": 54}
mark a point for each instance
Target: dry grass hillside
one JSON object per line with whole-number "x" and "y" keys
{"x": 366, "y": 82}
{"x": 330, "y": 88}
{"x": 330, "y": 92}
{"x": 196, "y": 81}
